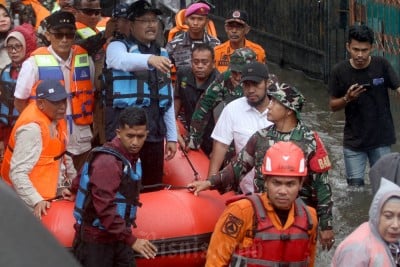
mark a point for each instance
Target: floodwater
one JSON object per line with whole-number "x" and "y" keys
{"x": 350, "y": 205}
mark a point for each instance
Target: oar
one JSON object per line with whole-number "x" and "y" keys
{"x": 196, "y": 174}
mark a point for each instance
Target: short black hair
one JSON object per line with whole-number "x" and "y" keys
{"x": 361, "y": 33}
{"x": 203, "y": 47}
{"x": 132, "y": 116}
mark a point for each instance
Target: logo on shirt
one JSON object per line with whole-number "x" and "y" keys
{"x": 232, "y": 226}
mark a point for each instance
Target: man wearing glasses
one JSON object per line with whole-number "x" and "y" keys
{"x": 87, "y": 16}
{"x": 91, "y": 35}
{"x": 71, "y": 65}
{"x": 138, "y": 74}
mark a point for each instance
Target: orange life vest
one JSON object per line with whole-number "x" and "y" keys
{"x": 44, "y": 175}
{"x": 273, "y": 247}
{"x": 81, "y": 91}
{"x": 101, "y": 25}
{"x": 181, "y": 26}
{"x": 40, "y": 11}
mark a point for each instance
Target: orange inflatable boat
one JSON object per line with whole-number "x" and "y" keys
{"x": 178, "y": 223}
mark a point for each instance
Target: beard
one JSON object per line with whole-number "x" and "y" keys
{"x": 257, "y": 103}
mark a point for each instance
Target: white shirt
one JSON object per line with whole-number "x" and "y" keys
{"x": 80, "y": 136}
{"x": 238, "y": 122}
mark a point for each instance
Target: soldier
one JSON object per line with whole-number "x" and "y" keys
{"x": 236, "y": 28}
{"x": 284, "y": 111}
{"x": 180, "y": 48}
{"x": 223, "y": 90}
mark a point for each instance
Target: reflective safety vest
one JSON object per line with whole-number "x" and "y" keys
{"x": 272, "y": 247}
{"x": 101, "y": 25}
{"x": 8, "y": 113}
{"x": 126, "y": 199}
{"x": 44, "y": 175}
{"x": 132, "y": 88}
{"x": 81, "y": 93}
{"x": 85, "y": 32}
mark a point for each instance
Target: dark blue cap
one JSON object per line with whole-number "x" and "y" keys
{"x": 121, "y": 11}
{"x": 51, "y": 90}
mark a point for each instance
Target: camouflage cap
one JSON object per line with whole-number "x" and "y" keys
{"x": 240, "y": 57}
{"x": 287, "y": 95}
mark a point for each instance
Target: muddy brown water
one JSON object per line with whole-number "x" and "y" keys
{"x": 350, "y": 205}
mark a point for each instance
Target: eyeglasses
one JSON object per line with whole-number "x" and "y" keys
{"x": 61, "y": 35}
{"x": 90, "y": 11}
{"x": 16, "y": 47}
{"x": 147, "y": 21}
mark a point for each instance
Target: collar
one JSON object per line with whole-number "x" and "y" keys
{"x": 59, "y": 59}
{"x": 186, "y": 40}
{"x": 296, "y": 134}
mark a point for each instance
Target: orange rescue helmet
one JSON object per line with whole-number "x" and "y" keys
{"x": 284, "y": 159}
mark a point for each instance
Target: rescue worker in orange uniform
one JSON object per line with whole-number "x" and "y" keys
{"x": 236, "y": 28}
{"x": 37, "y": 143}
{"x": 250, "y": 230}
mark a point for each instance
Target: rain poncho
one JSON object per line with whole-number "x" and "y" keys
{"x": 364, "y": 246}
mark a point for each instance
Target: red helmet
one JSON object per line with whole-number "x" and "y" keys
{"x": 284, "y": 159}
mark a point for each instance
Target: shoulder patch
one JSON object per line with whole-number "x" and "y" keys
{"x": 320, "y": 161}
{"x": 232, "y": 226}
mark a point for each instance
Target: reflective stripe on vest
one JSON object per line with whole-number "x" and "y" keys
{"x": 126, "y": 199}
{"x": 81, "y": 89}
{"x": 84, "y": 31}
{"x": 290, "y": 246}
{"x": 8, "y": 112}
{"x": 132, "y": 89}
{"x": 242, "y": 261}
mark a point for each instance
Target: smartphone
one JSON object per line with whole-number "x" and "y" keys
{"x": 366, "y": 86}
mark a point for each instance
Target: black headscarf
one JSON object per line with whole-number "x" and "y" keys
{"x": 3, "y": 35}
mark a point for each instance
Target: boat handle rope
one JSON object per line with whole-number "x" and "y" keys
{"x": 169, "y": 187}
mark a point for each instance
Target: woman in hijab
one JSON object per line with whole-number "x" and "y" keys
{"x": 376, "y": 242}
{"x": 19, "y": 43}
{"x": 5, "y": 27}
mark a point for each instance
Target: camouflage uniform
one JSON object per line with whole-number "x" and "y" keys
{"x": 180, "y": 48}
{"x": 316, "y": 190}
{"x": 221, "y": 90}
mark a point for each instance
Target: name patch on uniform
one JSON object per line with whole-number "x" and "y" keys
{"x": 224, "y": 61}
{"x": 232, "y": 226}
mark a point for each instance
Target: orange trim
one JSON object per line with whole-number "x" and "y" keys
{"x": 181, "y": 26}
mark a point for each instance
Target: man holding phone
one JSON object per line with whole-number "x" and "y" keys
{"x": 360, "y": 86}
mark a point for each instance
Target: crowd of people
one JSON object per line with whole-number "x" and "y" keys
{"x": 90, "y": 107}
